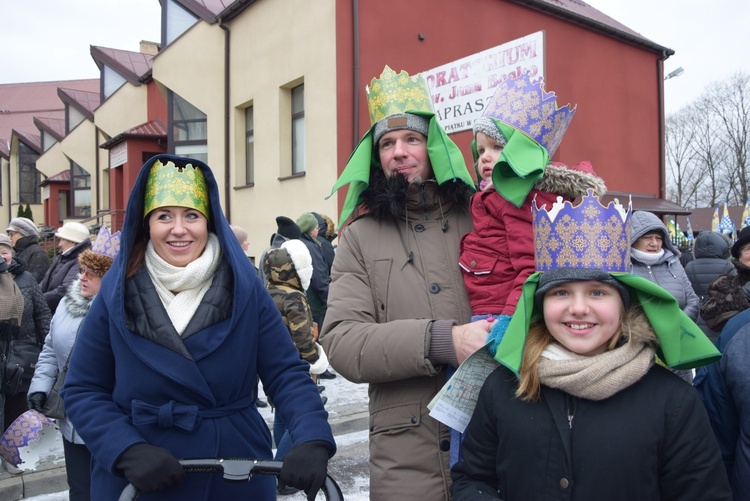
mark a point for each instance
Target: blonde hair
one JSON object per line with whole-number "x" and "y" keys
{"x": 633, "y": 324}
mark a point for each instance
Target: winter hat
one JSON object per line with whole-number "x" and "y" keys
{"x": 287, "y": 228}
{"x": 743, "y": 238}
{"x": 488, "y": 126}
{"x": 99, "y": 258}
{"x": 559, "y": 276}
{"x": 23, "y": 225}
{"x": 73, "y": 232}
{"x": 5, "y": 240}
{"x": 307, "y": 222}
{"x": 399, "y": 122}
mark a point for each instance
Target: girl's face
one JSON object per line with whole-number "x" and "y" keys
{"x": 6, "y": 253}
{"x": 179, "y": 234}
{"x": 489, "y": 151}
{"x": 583, "y": 316}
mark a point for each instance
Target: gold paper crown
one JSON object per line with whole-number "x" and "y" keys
{"x": 173, "y": 185}
{"x": 393, "y": 94}
{"x": 588, "y": 235}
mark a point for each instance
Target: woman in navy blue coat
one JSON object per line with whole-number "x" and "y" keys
{"x": 166, "y": 364}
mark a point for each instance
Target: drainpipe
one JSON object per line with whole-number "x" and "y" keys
{"x": 355, "y": 71}
{"x": 98, "y": 172}
{"x": 227, "y": 168}
{"x": 662, "y": 127}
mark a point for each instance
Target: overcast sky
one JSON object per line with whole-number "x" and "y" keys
{"x": 45, "y": 40}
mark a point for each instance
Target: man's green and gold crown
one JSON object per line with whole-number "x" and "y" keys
{"x": 393, "y": 93}
{"x": 171, "y": 185}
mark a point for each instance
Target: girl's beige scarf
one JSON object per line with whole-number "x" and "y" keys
{"x": 596, "y": 377}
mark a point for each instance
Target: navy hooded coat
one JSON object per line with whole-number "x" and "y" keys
{"x": 196, "y": 400}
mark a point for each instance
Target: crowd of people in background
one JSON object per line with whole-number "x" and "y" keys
{"x": 591, "y": 311}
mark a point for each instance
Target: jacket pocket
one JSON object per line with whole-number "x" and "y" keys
{"x": 395, "y": 419}
{"x": 478, "y": 263}
{"x": 381, "y": 275}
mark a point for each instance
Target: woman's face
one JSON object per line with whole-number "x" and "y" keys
{"x": 489, "y": 151}
{"x": 66, "y": 245}
{"x": 650, "y": 242}
{"x": 583, "y": 316}
{"x": 90, "y": 282}
{"x": 6, "y": 253}
{"x": 745, "y": 254}
{"x": 179, "y": 234}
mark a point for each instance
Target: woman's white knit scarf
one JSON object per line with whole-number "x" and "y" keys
{"x": 181, "y": 289}
{"x": 596, "y": 377}
{"x": 647, "y": 258}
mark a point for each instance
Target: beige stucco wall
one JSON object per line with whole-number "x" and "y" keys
{"x": 53, "y": 161}
{"x": 124, "y": 109}
{"x": 266, "y": 62}
{"x": 80, "y": 146}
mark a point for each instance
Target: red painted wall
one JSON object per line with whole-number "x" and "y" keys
{"x": 615, "y": 85}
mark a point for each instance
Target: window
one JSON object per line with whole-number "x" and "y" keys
{"x": 47, "y": 141}
{"x": 249, "y": 146}
{"x": 73, "y": 117}
{"x": 111, "y": 81}
{"x": 178, "y": 21}
{"x": 80, "y": 184}
{"x": 28, "y": 177}
{"x": 189, "y": 129}
{"x": 298, "y": 129}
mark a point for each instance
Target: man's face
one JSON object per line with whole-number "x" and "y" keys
{"x": 405, "y": 152}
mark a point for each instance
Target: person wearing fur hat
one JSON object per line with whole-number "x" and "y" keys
{"x": 729, "y": 294}
{"x": 24, "y": 235}
{"x": 93, "y": 264}
{"x": 167, "y": 361}
{"x": 398, "y": 313}
{"x": 289, "y": 270}
{"x": 73, "y": 239}
{"x": 317, "y": 293}
{"x": 578, "y": 408}
{"x": 34, "y": 327}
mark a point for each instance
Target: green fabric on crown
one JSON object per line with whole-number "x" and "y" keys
{"x": 521, "y": 163}
{"x": 683, "y": 345}
{"x": 446, "y": 158}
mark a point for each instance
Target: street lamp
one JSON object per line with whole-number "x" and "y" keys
{"x": 676, "y": 73}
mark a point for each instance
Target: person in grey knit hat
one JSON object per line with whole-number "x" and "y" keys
{"x": 24, "y": 236}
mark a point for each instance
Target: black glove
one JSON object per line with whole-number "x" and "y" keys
{"x": 305, "y": 467}
{"x": 150, "y": 468}
{"x": 37, "y": 401}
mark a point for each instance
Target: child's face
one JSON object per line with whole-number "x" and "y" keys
{"x": 583, "y": 316}
{"x": 489, "y": 151}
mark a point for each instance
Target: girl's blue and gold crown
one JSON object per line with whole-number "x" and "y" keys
{"x": 588, "y": 235}
{"x": 526, "y": 106}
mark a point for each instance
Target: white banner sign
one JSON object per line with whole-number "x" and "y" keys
{"x": 461, "y": 89}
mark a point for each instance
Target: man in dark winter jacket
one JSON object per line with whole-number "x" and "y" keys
{"x": 725, "y": 389}
{"x": 74, "y": 239}
{"x": 711, "y": 260}
{"x": 326, "y": 234}
{"x": 24, "y": 236}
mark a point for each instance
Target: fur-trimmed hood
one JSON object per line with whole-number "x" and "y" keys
{"x": 289, "y": 265}
{"x": 76, "y": 304}
{"x": 392, "y": 198}
{"x": 569, "y": 182}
